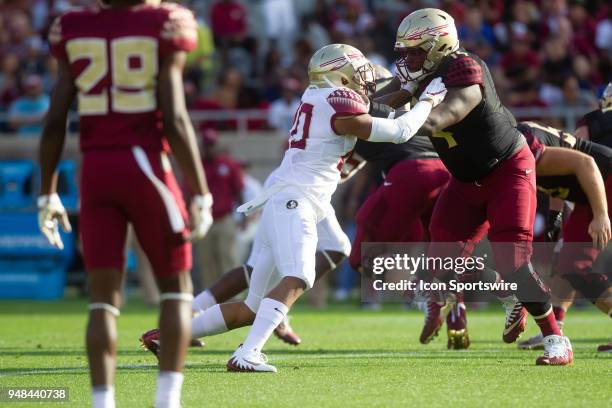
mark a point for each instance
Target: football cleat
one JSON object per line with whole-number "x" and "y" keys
{"x": 533, "y": 343}
{"x": 605, "y": 348}
{"x": 456, "y": 323}
{"x": 557, "y": 351}
{"x": 150, "y": 341}
{"x": 251, "y": 361}
{"x": 435, "y": 313}
{"x": 284, "y": 332}
{"x": 516, "y": 319}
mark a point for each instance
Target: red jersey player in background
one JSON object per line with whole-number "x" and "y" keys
{"x": 124, "y": 63}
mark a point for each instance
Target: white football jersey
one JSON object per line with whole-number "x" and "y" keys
{"x": 316, "y": 151}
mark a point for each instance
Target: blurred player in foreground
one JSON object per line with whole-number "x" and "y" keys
{"x": 124, "y": 64}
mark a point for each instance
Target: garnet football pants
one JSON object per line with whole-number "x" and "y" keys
{"x": 502, "y": 204}
{"x": 400, "y": 209}
{"x": 132, "y": 186}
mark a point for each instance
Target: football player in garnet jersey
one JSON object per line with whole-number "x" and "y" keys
{"x": 333, "y": 113}
{"x": 123, "y": 63}
{"x": 579, "y": 171}
{"x": 492, "y": 187}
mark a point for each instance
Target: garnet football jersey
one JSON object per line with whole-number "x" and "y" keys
{"x": 115, "y": 55}
{"x": 564, "y": 187}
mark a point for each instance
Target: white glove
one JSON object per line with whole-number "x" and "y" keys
{"x": 435, "y": 92}
{"x": 201, "y": 216}
{"x": 409, "y": 86}
{"x": 52, "y": 213}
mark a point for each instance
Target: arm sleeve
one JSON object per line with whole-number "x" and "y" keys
{"x": 402, "y": 129}
{"x": 179, "y": 31}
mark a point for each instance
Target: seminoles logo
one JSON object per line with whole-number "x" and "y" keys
{"x": 341, "y": 61}
{"x": 291, "y": 204}
{"x": 438, "y": 31}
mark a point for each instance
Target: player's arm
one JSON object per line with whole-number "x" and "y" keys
{"x": 457, "y": 104}
{"x": 181, "y": 137}
{"x": 398, "y": 130}
{"x": 558, "y": 161}
{"x": 51, "y": 211}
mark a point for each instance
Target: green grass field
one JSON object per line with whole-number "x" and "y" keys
{"x": 348, "y": 358}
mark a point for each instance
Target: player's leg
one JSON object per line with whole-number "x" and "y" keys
{"x": 290, "y": 227}
{"x": 161, "y": 229}
{"x": 562, "y": 297}
{"x": 103, "y": 231}
{"x": 232, "y": 282}
{"x": 457, "y": 218}
{"x": 511, "y": 213}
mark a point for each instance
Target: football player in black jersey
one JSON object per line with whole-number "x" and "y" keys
{"x": 596, "y": 126}
{"x": 492, "y": 188}
{"x": 579, "y": 171}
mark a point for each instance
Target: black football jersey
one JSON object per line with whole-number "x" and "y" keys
{"x": 599, "y": 124}
{"x": 386, "y": 155}
{"x": 487, "y": 136}
{"x": 564, "y": 187}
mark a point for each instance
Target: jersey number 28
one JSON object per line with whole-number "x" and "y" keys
{"x": 132, "y": 62}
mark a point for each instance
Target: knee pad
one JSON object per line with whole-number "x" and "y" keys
{"x": 104, "y": 306}
{"x": 591, "y": 285}
{"x": 181, "y": 296}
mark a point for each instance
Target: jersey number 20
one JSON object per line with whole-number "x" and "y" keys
{"x": 132, "y": 62}
{"x": 301, "y": 126}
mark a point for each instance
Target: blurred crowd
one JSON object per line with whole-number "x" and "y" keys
{"x": 253, "y": 54}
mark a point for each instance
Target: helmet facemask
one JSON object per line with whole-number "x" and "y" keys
{"x": 365, "y": 77}
{"x": 403, "y": 63}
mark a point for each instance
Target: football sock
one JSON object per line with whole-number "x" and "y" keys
{"x": 548, "y": 324}
{"x": 559, "y": 313}
{"x": 168, "y": 393}
{"x": 103, "y": 396}
{"x": 203, "y": 301}
{"x": 208, "y": 323}
{"x": 271, "y": 312}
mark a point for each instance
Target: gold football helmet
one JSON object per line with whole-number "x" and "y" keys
{"x": 431, "y": 30}
{"x": 606, "y": 98}
{"x": 341, "y": 65}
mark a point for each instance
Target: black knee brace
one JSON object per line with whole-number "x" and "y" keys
{"x": 530, "y": 290}
{"x": 591, "y": 285}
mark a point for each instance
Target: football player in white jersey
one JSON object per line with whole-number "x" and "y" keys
{"x": 333, "y": 113}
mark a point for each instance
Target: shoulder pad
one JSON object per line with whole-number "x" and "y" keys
{"x": 463, "y": 71}
{"x": 347, "y": 102}
{"x": 179, "y": 29}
